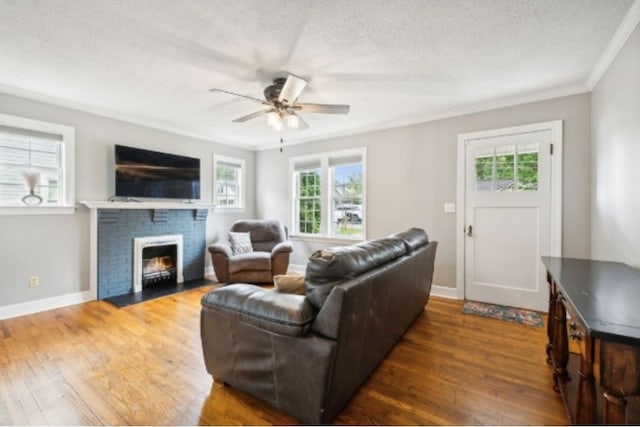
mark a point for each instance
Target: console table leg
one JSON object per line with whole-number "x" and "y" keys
{"x": 550, "y": 319}
{"x": 560, "y": 345}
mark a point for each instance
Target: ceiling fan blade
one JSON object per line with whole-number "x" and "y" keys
{"x": 292, "y": 89}
{"x": 323, "y": 108}
{"x": 250, "y": 116}
{"x": 261, "y": 101}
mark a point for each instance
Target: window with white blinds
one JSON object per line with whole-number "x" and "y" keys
{"x": 329, "y": 194}
{"x": 228, "y": 183}
{"x": 34, "y": 163}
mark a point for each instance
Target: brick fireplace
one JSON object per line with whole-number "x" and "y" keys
{"x": 118, "y": 230}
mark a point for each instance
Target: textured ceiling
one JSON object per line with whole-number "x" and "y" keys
{"x": 394, "y": 62}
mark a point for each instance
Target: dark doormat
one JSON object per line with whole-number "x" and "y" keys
{"x": 152, "y": 292}
{"x": 501, "y": 312}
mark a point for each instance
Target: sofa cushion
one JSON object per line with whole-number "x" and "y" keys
{"x": 289, "y": 283}
{"x": 413, "y": 238}
{"x": 285, "y": 314}
{"x": 326, "y": 268}
{"x": 257, "y": 261}
{"x": 240, "y": 242}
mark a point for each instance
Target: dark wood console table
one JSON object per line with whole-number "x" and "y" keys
{"x": 601, "y": 383}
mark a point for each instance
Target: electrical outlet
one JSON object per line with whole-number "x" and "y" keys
{"x": 34, "y": 281}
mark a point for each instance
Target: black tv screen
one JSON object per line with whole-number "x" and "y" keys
{"x": 146, "y": 173}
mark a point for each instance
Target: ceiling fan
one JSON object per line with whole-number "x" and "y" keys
{"x": 280, "y": 98}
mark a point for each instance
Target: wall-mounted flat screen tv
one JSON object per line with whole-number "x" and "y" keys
{"x": 151, "y": 174}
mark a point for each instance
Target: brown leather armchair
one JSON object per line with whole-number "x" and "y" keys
{"x": 270, "y": 256}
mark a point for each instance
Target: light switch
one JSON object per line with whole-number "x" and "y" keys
{"x": 449, "y": 207}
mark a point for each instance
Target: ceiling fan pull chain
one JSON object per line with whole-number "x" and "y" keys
{"x": 281, "y": 143}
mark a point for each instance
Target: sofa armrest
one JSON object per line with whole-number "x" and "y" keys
{"x": 221, "y": 248}
{"x": 285, "y": 314}
{"x": 282, "y": 247}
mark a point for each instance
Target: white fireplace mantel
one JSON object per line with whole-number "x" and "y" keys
{"x": 101, "y": 204}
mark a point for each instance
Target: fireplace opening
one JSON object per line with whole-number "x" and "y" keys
{"x": 157, "y": 260}
{"x": 159, "y": 265}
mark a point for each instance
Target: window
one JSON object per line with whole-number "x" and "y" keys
{"x": 36, "y": 165}
{"x": 328, "y": 194}
{"x": 309, "y": 198}
{"x": 345, "y": 176}
{"x": 229, "y": 183}
{"x": 507, "y": 168}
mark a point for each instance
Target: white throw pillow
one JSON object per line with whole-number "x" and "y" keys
{"x": 289, "y": 283}
{"x": 240, "y": 243}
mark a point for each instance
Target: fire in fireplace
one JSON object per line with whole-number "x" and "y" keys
{"x": 159, "y": 265}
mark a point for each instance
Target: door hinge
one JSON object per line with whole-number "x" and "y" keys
{"x": 551, "y": 149}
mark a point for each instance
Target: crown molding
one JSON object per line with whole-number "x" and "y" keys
{"x": 628, "y": 24}
{"x": 78, "y": 106}
{"x": 454, "y": 112}
{"x": 460, "y": 111}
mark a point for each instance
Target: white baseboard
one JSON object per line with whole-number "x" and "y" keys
{"x": 444, "y": 292}
{"x": 30, "y": 307}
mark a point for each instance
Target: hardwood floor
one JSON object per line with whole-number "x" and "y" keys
{"x": 95, "y": 364}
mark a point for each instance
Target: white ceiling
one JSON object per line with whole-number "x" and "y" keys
{"x": 395, "y": 62}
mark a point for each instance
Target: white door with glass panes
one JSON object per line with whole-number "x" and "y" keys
{"x": 508, "y": 214}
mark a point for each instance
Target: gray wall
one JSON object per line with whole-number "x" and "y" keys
{"x": 414, "y": 166}
{"x": 411, "y": 173}
{"x": 56, "y": 247}
{"x": 615, "y": 228}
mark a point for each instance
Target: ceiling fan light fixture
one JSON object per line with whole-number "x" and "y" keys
{"x": 293, "y": 121}
{"x": 273, "y": 119}
{"x": 278, "y": 125}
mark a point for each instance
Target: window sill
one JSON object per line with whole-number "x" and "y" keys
{"x": 37, "y": 210}
{"x": 220, "y": 209}
{"x": 325, "y": 239}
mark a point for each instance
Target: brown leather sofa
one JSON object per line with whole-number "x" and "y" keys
{"x": 270, "y": 255}
{"x": 308, "y": 354}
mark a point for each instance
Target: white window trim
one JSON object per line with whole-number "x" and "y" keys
{"x": 67, "y": 158}
{"x": 242, "y": 184}
{"x": 325, "y": 224}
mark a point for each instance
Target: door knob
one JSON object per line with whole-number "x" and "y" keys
{"x": 470, "y": 231}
